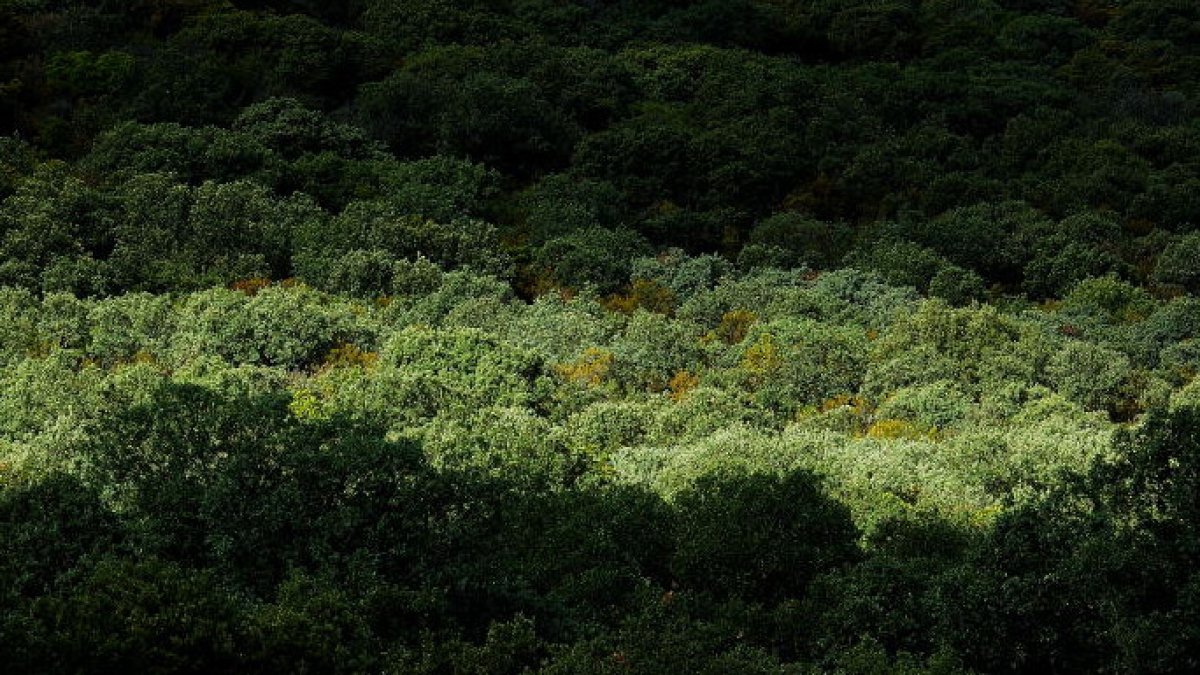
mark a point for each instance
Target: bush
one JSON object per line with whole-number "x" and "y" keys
{"x": 939, "y": 405}
{"x": 957, "y": 286}
{"x": 595, "y": 256}
{"x": 1179, "y": 264}
{"x": 759, "y": 536}
{"x": 383, "y": 226}
{"x": 1090, "y": 375}
{"x": 791, "y": 364}
{"x": 814, "y": 243}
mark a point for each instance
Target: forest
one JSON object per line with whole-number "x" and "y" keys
{"x": 504, "y": 337}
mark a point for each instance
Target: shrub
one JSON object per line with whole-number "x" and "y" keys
{"x": 594, "y": 256}
{"x": 1088, "y": 374}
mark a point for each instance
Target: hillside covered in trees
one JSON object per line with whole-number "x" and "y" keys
{"x": 600, "y": 336}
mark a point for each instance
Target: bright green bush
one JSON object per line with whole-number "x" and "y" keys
{"x": 976, "y": 347}
{"x": 938, "y": 405}
{"x": 791, "y": 364}
{"x": 457, "y": 369}
{"x": 653, "y": 349}
{"x": 287, "y": 327}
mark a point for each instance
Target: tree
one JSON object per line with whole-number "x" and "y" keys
{"x": 291, "y": 130}
{"x": 500, "y": 120}
{"x": 385, "y": 226}
{"x": 559, "y": 204}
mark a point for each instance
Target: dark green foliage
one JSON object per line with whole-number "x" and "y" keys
{"x": 559, "y": 205}
{"x": 50, "y": 223}
{"x": 726, "y": 525}
{"x": 389, "y": 227}
{"x": 172, "y": 236}
{"x": 703, "y": 125}
{"x": 523, "y": 114}
{"x": 292, "y": 130}
{"x": 128, "y": 614}
{"x": 16, "y": 161}
{"x": 51, "y": 527}
{"x": 595, "y": 255}
{"x": 816, "y": 244}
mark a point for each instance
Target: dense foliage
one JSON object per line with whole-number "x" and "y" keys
{"x": 600, "y": 336}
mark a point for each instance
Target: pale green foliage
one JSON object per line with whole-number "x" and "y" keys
{"x": 39, "y": 392}
{"x": 851, "y": 296}
{"x": 443, "y": 294}
{"x": 1038, "y": 451}
{"x": 607, "y": 426}
{"x": 243, "y": 379}
{"x": 881, "y": 479}
{"x": 977, "y": 348}
{"x": 939, "y": 405}
{"x": 287, "y": 327}
{"x": 559, "y": 329}
{"x": 18, "y": 321}
{"x": 129, "y": 325}
{"x": 754, "y": 293}
{"x": 671, "y": 469}
{"x": 699, "y": 413}
{"x": 425, "y": 371}
{"x": 1107, "y": 300}
{"x": 417, "y": 277}
{"x": 509, "y": 442}
{"x": 878, "y": 479}
{"x": 64, "y": 323}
